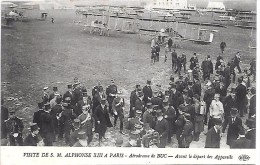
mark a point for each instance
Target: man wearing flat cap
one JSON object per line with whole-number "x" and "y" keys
{"x": 47, "y": 126}
{"x": 14, "y": 127}
{"x": 235, "y": 123}
{"x": 162, "y": 127}
{"x": 213, "y": 136}
{"x": 148, "y": 92}
{"x": 111, "y": 92}
{"x": 33, "y": 138}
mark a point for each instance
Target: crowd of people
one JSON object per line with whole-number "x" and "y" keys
{"x": 155, "y": 117}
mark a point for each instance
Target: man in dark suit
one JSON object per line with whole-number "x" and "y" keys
{"x": 37, "y": 115}
{"x": 213, "y": 135}
{"x": 235, "y": 123}
{"x": 227, "y": 75}
{"x": 139, "y": 103}
{"x": 193, "y": 61}
{"x": 252, "y": 106}
{"x": 162, "y": 127}
{"x": 33, "y": 138}
{"x": 148, "y": 92}
{"x": 196, "y": 87}
{"x": 102, "y": 117}
{"x": 174, "y": 60}
{"x": 69, "y": 94}
{"x": 111, "y": 94}
{"x": 45, "y": 97}
{"x": 133, "y": 97}
{"x": 186, "y": 134}
{"x": 170, "y": 115}
{"x": 14, "y": 127}
{"x": 47, "y": 126}
{"x": 4, "y": 116}
{"x": 241, "y": 98}
{"x": 241, "y": 142}
{"x": 174, "y": 98}
{"x": 55, "y": 112}
{"x": 229, "y": 102}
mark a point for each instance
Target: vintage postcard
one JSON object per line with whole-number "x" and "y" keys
{"x": 128, "y": 81}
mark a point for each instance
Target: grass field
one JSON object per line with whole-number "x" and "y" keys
{"x": 37, "y": 53}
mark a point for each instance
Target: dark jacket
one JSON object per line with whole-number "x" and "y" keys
{"x": 162, "y": 128}
{"x": 241, "y": 93}
{"x": 251, "y": 135}
{"x": 14, "y": 125}
{"x": 233, "y": 129}
{"x": 212, "y": 139}
{"x": 101, "y": 115}
{"x": 241, "y": 143}
{"x": 209, "y": 96}
{"x": 147, "y": 93}
{"x": 4, "y": 116}
{"x": 31, "y": 140}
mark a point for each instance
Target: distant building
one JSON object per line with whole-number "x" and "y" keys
{"x": 168, "y": 4}
{"x": 216, "y": 6}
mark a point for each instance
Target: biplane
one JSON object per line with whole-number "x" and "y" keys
{"x": 152, "y": 24}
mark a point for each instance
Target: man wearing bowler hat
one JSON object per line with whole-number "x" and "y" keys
{"x": 70, "y": 94}
{"x": 213, "y": 135}
{"x": 102, "y": 118}
{"x": 235, "y": 123}
{"x": 133, "y": 97}
{"x": 37, "y": 115}
{"x": 174, "y": 98}
{"x": 241, "y": 98}
{"x": 162, "y": 127}
{"x": 169, "y": 114}
{"x": 47, "y": 125}
{"x": 55, "y": 112}
{"x": 148, "y": 92}
{"x": 14, "y": 127}
{"x": 33, "y": 138}
{"x": 229, "y": 102}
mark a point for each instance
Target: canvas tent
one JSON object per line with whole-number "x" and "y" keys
{"x": 216, "y": 6}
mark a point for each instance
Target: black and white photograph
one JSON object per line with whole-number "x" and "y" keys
{"x": 129, "y": 73}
